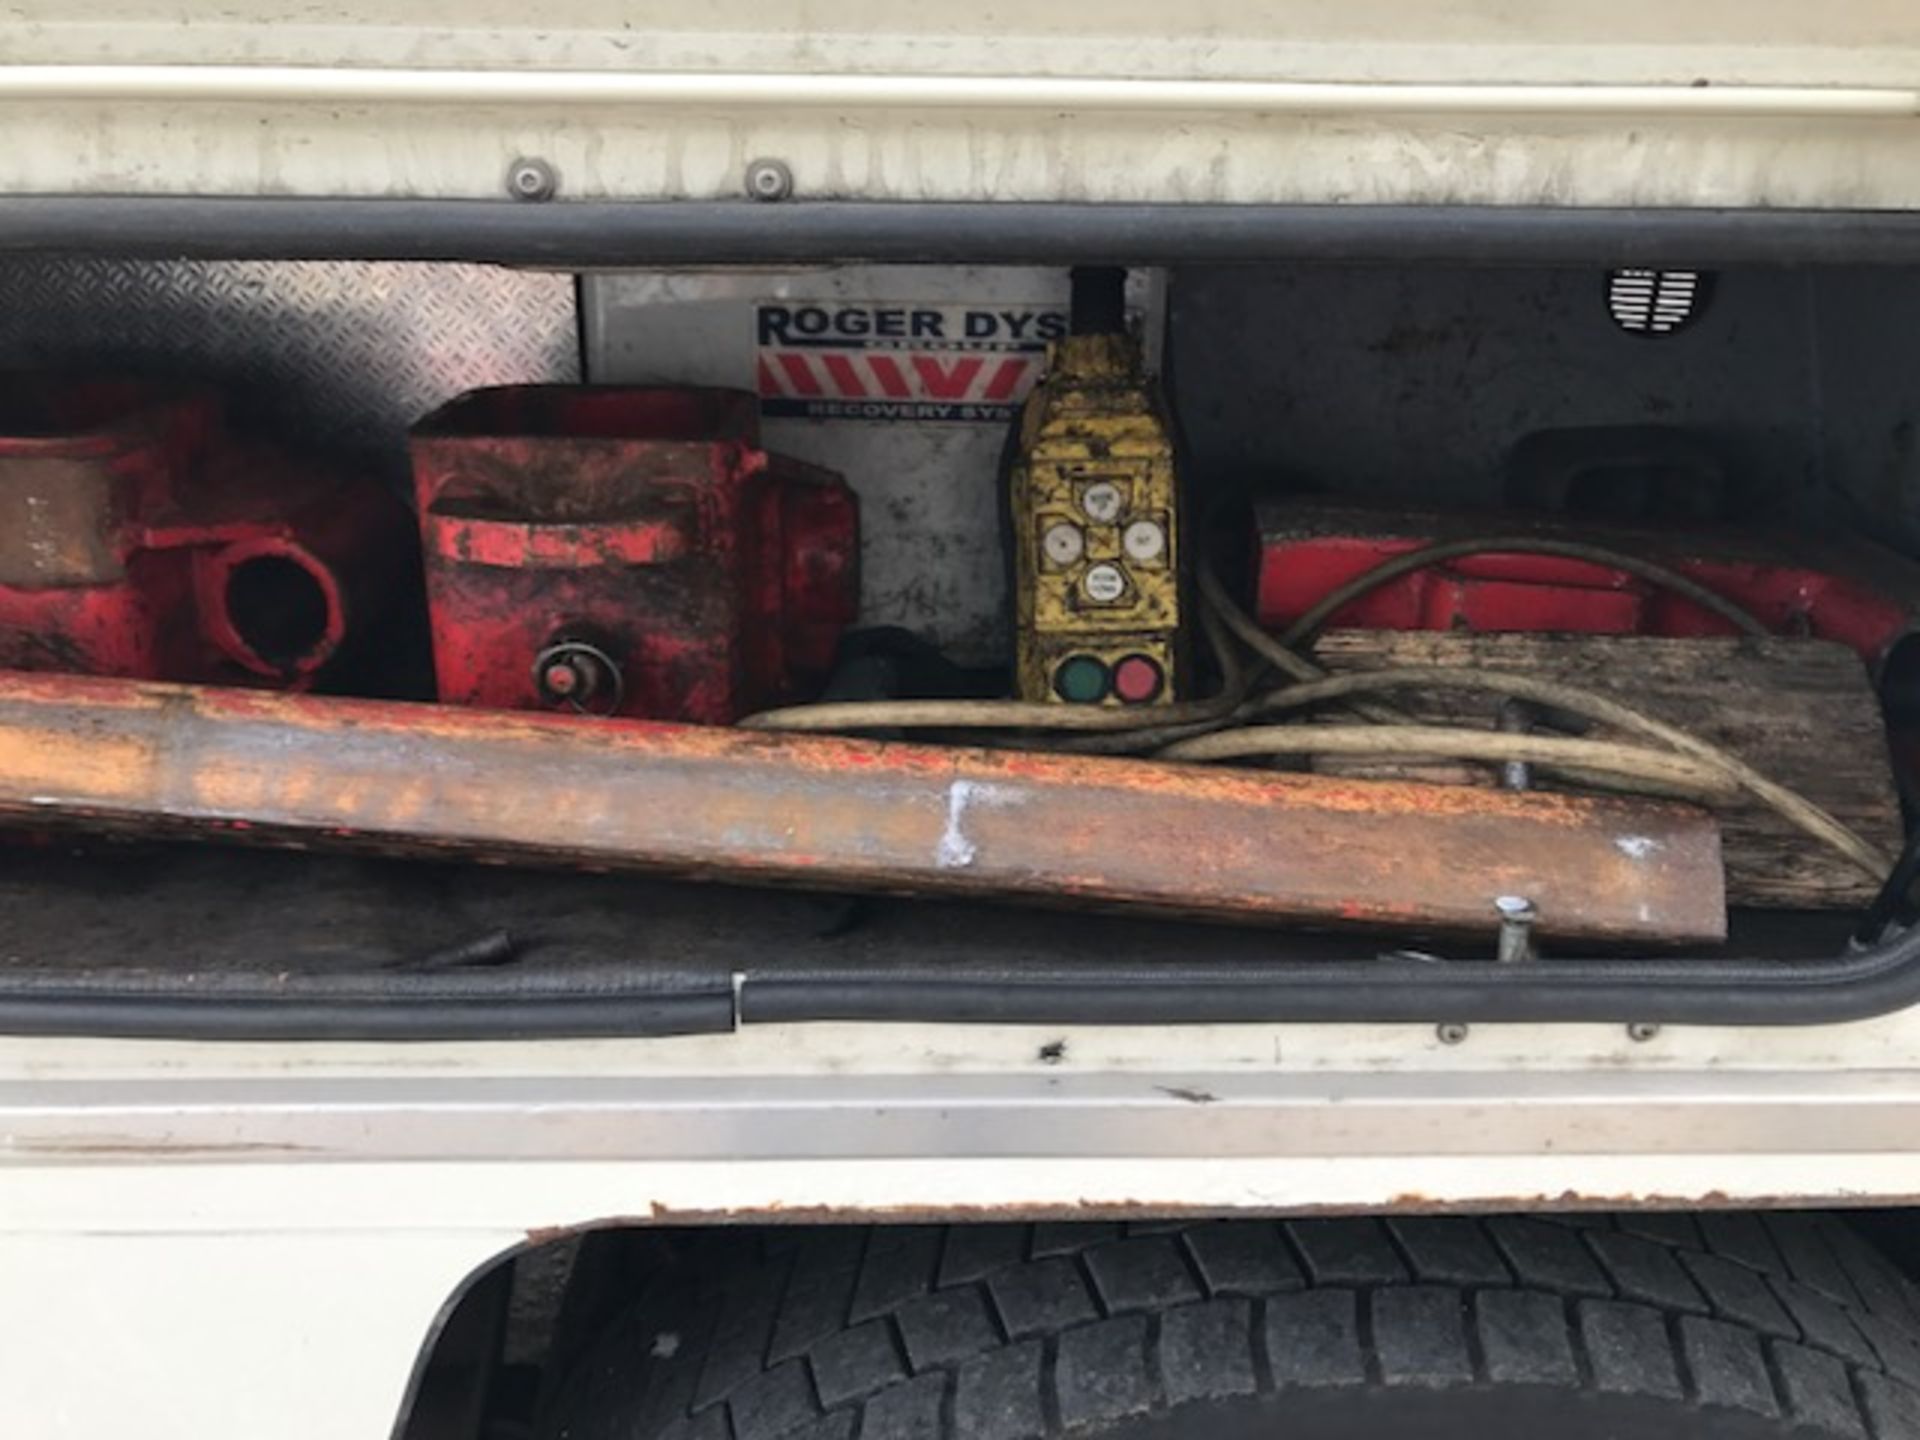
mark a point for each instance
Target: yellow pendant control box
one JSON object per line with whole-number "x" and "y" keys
{"x": 1095, "y": 520}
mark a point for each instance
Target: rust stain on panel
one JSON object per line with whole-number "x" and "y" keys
{"x": 1409, "y": 1203}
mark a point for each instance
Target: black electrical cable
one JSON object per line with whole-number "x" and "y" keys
{"x": 1892, "y": 904}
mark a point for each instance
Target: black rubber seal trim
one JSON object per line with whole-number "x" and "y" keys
{"x": 529, "y": 1002}
{"x": 392, "y": 1018}
{"x": 505, "y": 1004}
{"x": 706, "y": 233}
{"x": 1617, "y": 991}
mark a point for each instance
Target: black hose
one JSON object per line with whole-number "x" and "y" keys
{"x": 1892, "y": 903}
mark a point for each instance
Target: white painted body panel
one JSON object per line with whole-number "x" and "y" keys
{"x": 1576, "y": 102}
{"x": 257, "y": 1239}
{"x": 225, "y": 1242}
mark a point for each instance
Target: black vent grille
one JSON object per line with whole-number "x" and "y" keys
{"x": 1655, "y": 302}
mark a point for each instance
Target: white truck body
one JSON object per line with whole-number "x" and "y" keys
{"x": 214, "y": 1240}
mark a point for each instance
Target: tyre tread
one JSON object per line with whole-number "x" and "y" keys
{"x": 1034, "y": 1332}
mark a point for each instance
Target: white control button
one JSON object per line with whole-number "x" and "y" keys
{"x": 1144, "y": 541}
{"x": 1102, "y": 500}
{"x": 1104, "y": 584}
{"x": 1064, "y": 542}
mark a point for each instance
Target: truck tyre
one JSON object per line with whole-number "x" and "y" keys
{"x": 1630, "y": 1327}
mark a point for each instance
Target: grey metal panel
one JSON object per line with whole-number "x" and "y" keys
{"x": 340, "y": 355}
{"x": 1416, "y": 383}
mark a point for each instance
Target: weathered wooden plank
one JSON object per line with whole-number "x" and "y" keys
{"x": 1801, "y": 711}
{"x": 850, "y": 814}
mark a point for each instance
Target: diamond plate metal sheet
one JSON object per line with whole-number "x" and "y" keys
{"x": 340, "y": 357}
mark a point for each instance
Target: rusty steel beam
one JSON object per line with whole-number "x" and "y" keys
{"x": 849, "y": 814}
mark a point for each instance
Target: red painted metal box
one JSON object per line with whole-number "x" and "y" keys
{"x": 627, "y": 551}
{"x": 1804, "y": 584}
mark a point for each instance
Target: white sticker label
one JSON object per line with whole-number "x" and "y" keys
{"x": 1144, "y": 541}
{"x": 1104, "y": 584}
{"x": 873, "y": 360}
{"x": 1064, "y": 542}
{"x": 1102, "y": 500}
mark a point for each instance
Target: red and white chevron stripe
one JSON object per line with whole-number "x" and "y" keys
{"x": 990, "y": 379}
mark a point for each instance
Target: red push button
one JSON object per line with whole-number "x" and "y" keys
{"x": 1138, "y": 679}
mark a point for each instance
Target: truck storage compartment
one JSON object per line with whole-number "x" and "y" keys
{"x": 1386, "y": 642}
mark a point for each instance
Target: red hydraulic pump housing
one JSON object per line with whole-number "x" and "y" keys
{"x": 1806, "y": 584}
{"x": 139, "y": 539}
{"x": 624, "y": 551}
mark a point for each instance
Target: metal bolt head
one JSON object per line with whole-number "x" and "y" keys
{"x": 1517, "y": 914}
{"x": 1642, "y": 1031}
{"x": 1450, "y": 1032}
{"x": 769, "y": 180}
{"x": 580, "y": 674}
{"x": 530, "y": 178}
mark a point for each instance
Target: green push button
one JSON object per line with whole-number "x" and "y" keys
{"x": 1081, "y": 680}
